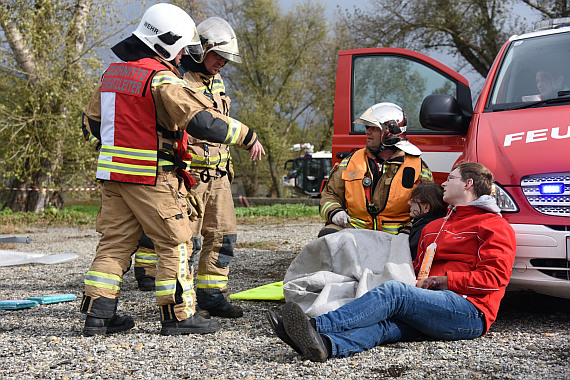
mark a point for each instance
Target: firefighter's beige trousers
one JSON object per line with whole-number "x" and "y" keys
{"x": 161, "y": 210}
{"x": 218, "y": 229}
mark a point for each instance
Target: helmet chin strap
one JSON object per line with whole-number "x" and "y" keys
{"x": 376, "y": 152}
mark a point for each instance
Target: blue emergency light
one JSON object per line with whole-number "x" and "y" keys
{"x": 551, "y": 188}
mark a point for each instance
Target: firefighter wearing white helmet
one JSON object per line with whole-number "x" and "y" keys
{"x": 167, "y": 31}
{"x": 214, "y": 234}
{"x": 371, "y": 187}
{"x": 139, "y": 117}
{"x": 218, "y": 36}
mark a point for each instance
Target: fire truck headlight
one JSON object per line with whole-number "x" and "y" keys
{"x": 504, "y": 200}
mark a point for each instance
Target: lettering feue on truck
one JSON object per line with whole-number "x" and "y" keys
{"x": 518, "y": 129}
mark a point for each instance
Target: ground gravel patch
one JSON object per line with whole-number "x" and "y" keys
{"x": 529, "y": 340}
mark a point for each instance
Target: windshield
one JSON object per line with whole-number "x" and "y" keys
{"x": 396, "y": 79}
{"x": 533, "y": 69}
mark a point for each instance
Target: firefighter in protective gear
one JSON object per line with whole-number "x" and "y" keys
{"x": 211, "y": 167}
{"x": 141, "y": 113}
{"x": 218, "y": 36}
{"x": 370, "y": 188}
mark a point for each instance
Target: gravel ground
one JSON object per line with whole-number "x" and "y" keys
{"x": 530, "y": 339}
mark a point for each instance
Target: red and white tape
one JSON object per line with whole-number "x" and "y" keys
{"x": 53, "y": 189}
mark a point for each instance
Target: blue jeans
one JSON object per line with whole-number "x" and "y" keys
{"x": 394, "y": 312}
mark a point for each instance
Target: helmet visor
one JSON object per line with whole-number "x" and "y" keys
{"x": 366, "y": 123}
{"x": 227, "y": 55}
{"x": 195, "y": 51}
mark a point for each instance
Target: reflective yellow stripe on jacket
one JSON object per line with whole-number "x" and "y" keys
{"x": 160, "y": 79}
{"x": 217, "y": 86}
{"x": 234, "y": 131}
{"x": 327, "y": 206}
{"x": 357, "y": 223}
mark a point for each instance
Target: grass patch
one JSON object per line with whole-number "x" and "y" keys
{"x": 52, "y": 216}
{"x": 278, "y": 210}
{"x": 278, "y": 213}
{"x": 252, "y": 220}
{"x": 85, "y": 216}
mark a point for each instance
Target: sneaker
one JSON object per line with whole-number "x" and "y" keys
{"x": 276, "y": 323}
{"x": 299, "y": 328}
{"x": 146, "y": 284}
{"x": 193, "y": 325}
{"x": 226, "y": 310}
{"x": 102, "y": 326}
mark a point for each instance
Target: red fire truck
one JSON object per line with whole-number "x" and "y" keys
{"x": 516, "y": 129}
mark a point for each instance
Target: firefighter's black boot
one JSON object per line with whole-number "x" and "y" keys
{"x": 144, "y": 281}
{"x": 146, "y": 284}
{"x": 196, "y": 324}
{"x": 193, "y": 325}
{"x": 102, "y": 326}
{"x": 102, "y": 317}
{"x": 226, "y": 310}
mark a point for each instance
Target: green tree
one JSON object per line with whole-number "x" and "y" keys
{"x": 49, "y": 70}
{"x": 275, "y": 89}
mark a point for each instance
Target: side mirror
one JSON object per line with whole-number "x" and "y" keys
{"x": 441, "y": 112}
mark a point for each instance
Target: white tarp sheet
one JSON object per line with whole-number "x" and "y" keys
{"x": 337, "y": 268}
{"x": 8, "y": 258}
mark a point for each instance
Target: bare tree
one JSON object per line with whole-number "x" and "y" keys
{"x": 550, "y": 8}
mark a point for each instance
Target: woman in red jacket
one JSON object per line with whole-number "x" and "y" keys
{"x": 474, "y": 254}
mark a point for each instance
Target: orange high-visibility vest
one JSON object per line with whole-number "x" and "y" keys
{"x": 396, "y": 212}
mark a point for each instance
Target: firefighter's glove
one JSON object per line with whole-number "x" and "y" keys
{"x": 341, "y": 218}
{"x": 197, "y": 205}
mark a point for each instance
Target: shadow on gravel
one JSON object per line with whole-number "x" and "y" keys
{"x": 531, "y": 305}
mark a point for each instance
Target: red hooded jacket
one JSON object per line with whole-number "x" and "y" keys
{"x": 476, "y": 251}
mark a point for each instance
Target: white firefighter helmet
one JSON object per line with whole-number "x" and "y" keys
{"x": 167, "y": 29}
{"x": 217, "y": 35}
{"x": 390, "y": 118}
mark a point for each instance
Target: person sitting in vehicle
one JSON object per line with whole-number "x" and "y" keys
{"x": 549, "y": 83}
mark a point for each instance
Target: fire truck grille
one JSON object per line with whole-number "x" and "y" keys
{"x": 556, "y": 204}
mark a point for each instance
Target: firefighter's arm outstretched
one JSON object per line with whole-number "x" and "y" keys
{"x": 211, "y": 125}
{"x": 202, "y": 121}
